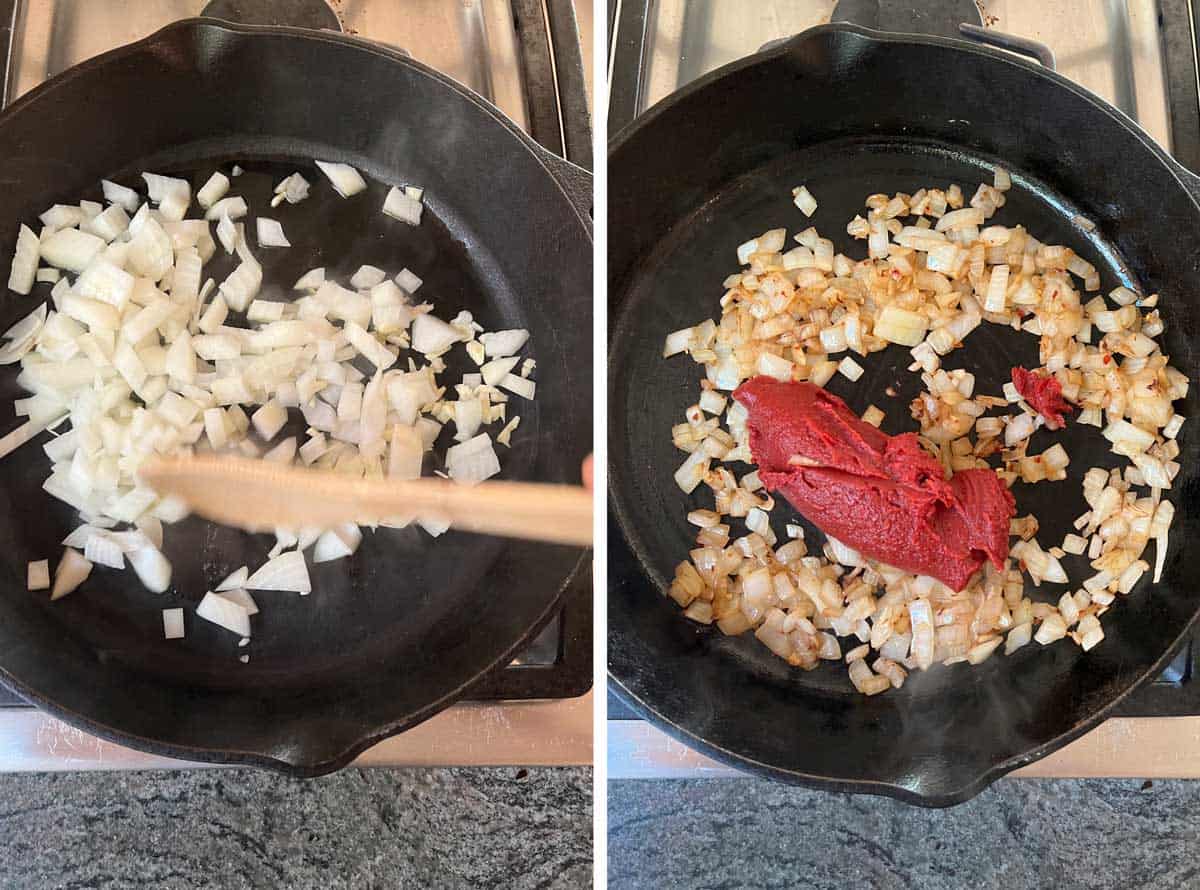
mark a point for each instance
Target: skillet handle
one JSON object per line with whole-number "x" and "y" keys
{"x": 1032, "y": 49}
{"x": 1190, "y": 180}
{"x": 575, "y": 182}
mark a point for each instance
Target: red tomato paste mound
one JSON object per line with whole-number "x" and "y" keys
{"x": 883, "y": 495}
{"x": 1044, "y": 395}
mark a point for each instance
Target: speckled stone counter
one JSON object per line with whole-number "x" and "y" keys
{"x": 1032, "y": 833}
{"x": 361, "y": 829}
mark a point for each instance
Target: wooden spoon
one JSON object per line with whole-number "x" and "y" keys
{"x": 260, "y": 496}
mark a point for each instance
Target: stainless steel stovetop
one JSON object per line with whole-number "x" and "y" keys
{"x": 1139, "y": 55}
{"x": 530, "y": 58}
{"x": 1116, "y": 48}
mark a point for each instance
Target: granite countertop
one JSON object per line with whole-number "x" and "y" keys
{"x": 1020, "y": 833}
{"x": 359, "y": 828}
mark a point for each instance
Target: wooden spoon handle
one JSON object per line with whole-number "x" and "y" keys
{"x": 258, "y": 495}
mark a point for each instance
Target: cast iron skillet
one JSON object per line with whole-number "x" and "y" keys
{"x": 392, "y": 636}
{"x": 851, "y": 112}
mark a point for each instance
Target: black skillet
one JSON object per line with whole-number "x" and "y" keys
{"x": 409, "y": 624}
{"x": 851, "y": 112}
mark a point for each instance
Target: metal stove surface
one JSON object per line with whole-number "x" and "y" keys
{"x": 473, "y": 41}
{"x": 529, "y": 60}
{"x": 1139, "y": 55}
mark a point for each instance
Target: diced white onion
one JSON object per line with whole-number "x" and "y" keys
{"x": 407, "y": 281}
{"x": 38, "y": 575}
{"x": 124, "y": 197}
{"x": 270, "y": 233}
{"x": 803, "y": 199}
{"x": 173, "y": 624}
{"x": 232, "y": 208}
{"x": 311, "y": 280}
{"x": 72, "y": 571}
{"x": 345, "y": 179}
{"x": 472, "y": 461}
{"x": 225, "y": 613}
{"x": 498, "y": 344}
{"x": 403, "y": 207}
{"x": 285, "y": 572}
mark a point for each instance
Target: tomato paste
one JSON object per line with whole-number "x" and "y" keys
{"x": 1044, "y": 394}
{"x": 883, "y": 495}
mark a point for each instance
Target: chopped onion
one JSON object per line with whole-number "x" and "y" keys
{"x": 292, "y": 189}
{"x": 1053, "y": 628}
{"x": 242, "y": 285}
{"x": 850, "y": 369}
{"x": 499, "y": 344}
{"x": 901, "y": 326}
{"x": 270, "y": 233}
{"x": 520, "y": 386}
{"x": 495, "y": 371}
{"x": 102, "y": 550}
{"x": 161, "y": 187}
{"x": 120, "y": 195}
{"x": 403, "y": 207}
{"x": 231, "y": 208}
{"x": 172, "y": 624}
{"x": 337, "y": 543}
{"x": 472, "y": 461}
{"x": 25, "y": 261}
{"x": 1130, "y": 438}
{"x": 27, "y": 327}
{"x": 803, "y": 199}
{"x": 269, "y": 420}
{"x": 345, "y": 179}
{"x": 285, "y": 572}
{"x": 151, "y": 567}
{"x": 38, "y": 575}
{"x": 151, "y": 252}
{"x": 311, "y": 280}
{"x": 367, "y": 277}
{"x": 956, "y": 219}
{"x": 432, "y": 336}
{"x": 225, "y": 613}
{"x": 1018, "y": 429}
{"x": 213, "y": 190}
{"x": 370, "y": 348}
{"x": 407, "y": 281}
{"x": 72, "y": 571}
{"x": 677, "y": 342}
{"x": 141, "y": 362}
{"x": 243, "y": 599}
{"x": 227, "y": 233}
{"x": 235, "y": 580}
{"x": 70, "y": 249}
